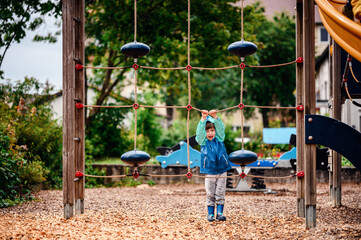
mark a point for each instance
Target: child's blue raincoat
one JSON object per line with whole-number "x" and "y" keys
{"x": 214, "y": 158}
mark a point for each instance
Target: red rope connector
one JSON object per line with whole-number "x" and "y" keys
{"x": 79, "y": 174}
{"x": 189, "y": 68}
{"x": 242, "y": 175}
{"x": 79, "y": 105}
{"x": 300, "y": 107}
{"x": 300, "y": 174}
{"x": 189, "y": 175}
{"x": 189, "y": 107}
{"x": 135, "y": 105}
{"x": 299, "y": 60}
{"x": 79, "y": 66}
{"x": 344, "y": 79}
{"x": 135, "y": 175}
{"x": 135, "y": 66}
{"x": 242, "y": 65}
{"x": 241, "y": 106}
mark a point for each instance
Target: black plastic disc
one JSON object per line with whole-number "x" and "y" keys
{"x": 135, "y": 49}
{"x": 243, "y": 157}
{"x": 135, "y": 157}
{"x": 242, "y": 48}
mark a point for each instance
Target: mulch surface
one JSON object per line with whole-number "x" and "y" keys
{"x": 179, "y": 212}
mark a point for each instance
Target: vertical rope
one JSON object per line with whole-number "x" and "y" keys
{"x": 242, "y": 18}
{"x": 189, "y": 29}
{"x": 135, "y": 113}
{"x": 189, "y": 162}
{"x": 241, "y": 94}
{"x": 242, "y": 132}
{"x": 189, "y": 80}
{"x": 241, "y": 101}
{"x": 135, "y": 20}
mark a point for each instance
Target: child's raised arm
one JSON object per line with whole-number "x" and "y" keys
{"x": 201, "y": 129}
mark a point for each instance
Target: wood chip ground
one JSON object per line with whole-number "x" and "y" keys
{"x": 179, "y": 212}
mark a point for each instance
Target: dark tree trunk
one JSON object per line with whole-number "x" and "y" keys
{"x": 265, "y": 119}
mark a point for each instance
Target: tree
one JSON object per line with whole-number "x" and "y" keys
{"x": 272, "y": 86}
{"x": 18, "y": 16}
{"x": 163, "y": 26}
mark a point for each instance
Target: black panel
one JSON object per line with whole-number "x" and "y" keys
{"x": 336, "y": 135}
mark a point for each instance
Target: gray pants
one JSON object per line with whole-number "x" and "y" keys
{"x": 215, "y": 189}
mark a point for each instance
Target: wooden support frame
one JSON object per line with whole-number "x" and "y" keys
{"x": 335, "y": 193}
{"x": 299, "y": 114}
{"x": 73, "y": 119}
{"x": 309, "y": 96}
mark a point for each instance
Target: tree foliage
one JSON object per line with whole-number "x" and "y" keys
{"x": 19, "y": 16}
{"x": 163, "y": 26}
{"x": 273, "y": 86}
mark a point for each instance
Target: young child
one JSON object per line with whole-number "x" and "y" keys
{"x": 214, "y": 161}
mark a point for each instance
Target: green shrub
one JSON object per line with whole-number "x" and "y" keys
{"x": 30, "y": 141}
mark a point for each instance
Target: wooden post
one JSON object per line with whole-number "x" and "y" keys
{"x": 310, "y": 106}
{"x": 330, "y": 70}
{"x": 336, "y": 114}
{"x": 68, "y": 109}
{"x": 79, "y": 123}
{"x": 300, "y": 136}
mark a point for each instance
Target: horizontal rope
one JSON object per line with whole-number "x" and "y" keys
{"x": 156, "y": 68}
{"x": 105, "y": 106}
{"x": 215, "y": 69}
{"x": 112, "y": 176}
{"x": 197, "y": 109}
{"x": 197, "y": 68}
{"x": 184, "y": 175}
{"x": 226, "y": 109}
{"x": 274, "y": 65}
{"x": 148, "y": 106}
{"x": 154, "y": 175}
{"x": 275, "y": 107}
{"x": 254, "y": 176}
{"x": 201, "y": 176}
{"x": 90, "y": 67}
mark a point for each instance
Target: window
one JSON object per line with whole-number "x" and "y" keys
{"x": 323, "y": 35}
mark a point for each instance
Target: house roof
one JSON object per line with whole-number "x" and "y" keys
{"x": 321, "y": 58}
{"x": 277, "y": 6}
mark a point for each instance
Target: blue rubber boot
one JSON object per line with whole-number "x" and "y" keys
{"x": 210, "y": 216}
{"x": 220, "y": 216}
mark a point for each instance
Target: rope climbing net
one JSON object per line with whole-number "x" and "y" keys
{"x": 143, "y": 49}
{"x": 348, "y": 68}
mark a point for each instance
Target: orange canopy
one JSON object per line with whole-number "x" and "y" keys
{"x": 344, "y": 31}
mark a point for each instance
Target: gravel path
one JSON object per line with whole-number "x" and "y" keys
{"x": 178, "y": 212}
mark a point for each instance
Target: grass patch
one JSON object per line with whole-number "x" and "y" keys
{"x": 345, "y": 162}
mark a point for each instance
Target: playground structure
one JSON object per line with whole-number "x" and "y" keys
{"x": 74, "y": 117}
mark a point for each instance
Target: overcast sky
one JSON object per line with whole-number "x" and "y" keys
{"x": 35, "y": 59}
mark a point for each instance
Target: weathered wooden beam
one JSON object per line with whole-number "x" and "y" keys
{"x": 336, "y": 114}
{"x": 79, "y": 123}
{"x": 309, "y": 108}
{"x": 68, "y": 109}
{"x": 300, "y": 124}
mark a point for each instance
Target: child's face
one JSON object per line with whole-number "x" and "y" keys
{"x": 210, "y": 133}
